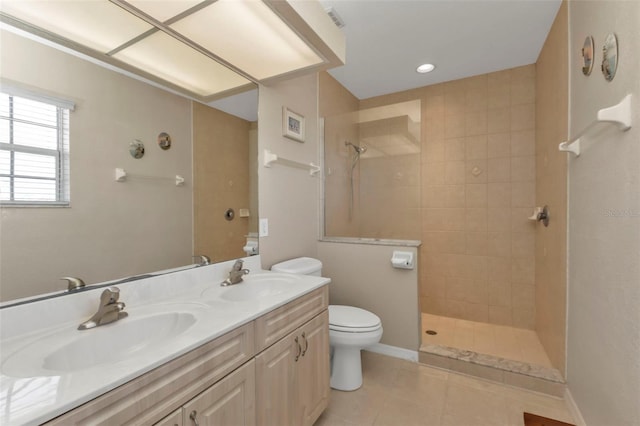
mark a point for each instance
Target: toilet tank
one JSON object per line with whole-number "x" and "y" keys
{"x": 300, "y": 265}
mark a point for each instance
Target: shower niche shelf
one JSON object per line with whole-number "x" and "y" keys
{"x": 619, "y": 114}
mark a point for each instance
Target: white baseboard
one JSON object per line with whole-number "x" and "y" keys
{"x": 573, "y": 408}
{"x": 394, "y": 351}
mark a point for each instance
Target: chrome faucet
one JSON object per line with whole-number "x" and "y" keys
{"x": 235, "y": 274}
{"x": 74, "y": 283}
{"x": 204, "y": 260}
{"x": 110, "y": 310}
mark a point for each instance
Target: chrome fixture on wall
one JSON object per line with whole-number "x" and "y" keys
{"x": 541, "y": 214}
{"x": 360, "y": 149}
{"x": 74, "y": 283}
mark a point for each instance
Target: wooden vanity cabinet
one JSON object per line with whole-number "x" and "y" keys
{"x": 225, "y": 383}
{"x": 292, "y": 375}
{"x": 148, "y": 398}
{"x": 231, "y": 401}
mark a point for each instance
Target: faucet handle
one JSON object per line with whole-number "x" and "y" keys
{"x": 109, "y": 296}
{"x": 74, "y": 283}
{"x": 204, "y": 259}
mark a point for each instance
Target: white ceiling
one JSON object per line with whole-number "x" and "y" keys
{"x": 387, "y": 40}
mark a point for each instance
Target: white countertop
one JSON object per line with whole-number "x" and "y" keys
{"x": 31, "y": 393}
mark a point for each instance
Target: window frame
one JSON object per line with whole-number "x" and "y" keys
{"x": 60, "y": 155}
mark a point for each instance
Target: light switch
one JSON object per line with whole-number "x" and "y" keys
{"x": 264, "y": 228}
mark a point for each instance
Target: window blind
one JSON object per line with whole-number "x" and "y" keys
{"x": 34, "y": 151}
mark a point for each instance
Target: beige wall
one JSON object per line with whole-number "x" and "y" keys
{"x": 362, "y": 276}
{"x": 603, "y": 368}
{"x": 112, "y": 229}
{"x": 478, "y": 188}
{"x": 221, "y": 179}
{"x": 289, "y": 197}
{"x": 552, "y": 97}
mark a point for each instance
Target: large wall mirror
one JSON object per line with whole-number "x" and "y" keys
{"x": 113, "y": 230}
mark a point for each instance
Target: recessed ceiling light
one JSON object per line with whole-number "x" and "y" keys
{"x": 424, "y": 68}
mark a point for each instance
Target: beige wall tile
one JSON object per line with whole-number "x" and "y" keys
{"x": 499, "y": 244}
{"x": 500, "y": 315}
{"x": 499, "y": 293}
{"x": 523, "y": 244}
{"x": 454, "y": 126}
{"x": 523, "y": 169}
{"x": 433, "y": 151}
{"x": 476, "y": 171}
{"x": 499, "y": 120}
{"x": 455, "y": 196}
{"x": 434, "y": 129}
{"x": 476, "y": 243}
{"x": 523, "y": 270}
{"x": 522, "y": 296}
{"x": 476, "y": 220}
{"x": 499, "y": 269}
{"x": 520, "y": 221}
{"x": 475, "y": 147}
{"x": 454, "y": 172}
{"x": 498, "y": 220}
{"x": 523, "y": 194}
{"x": 476, "y": 195}
{"x": 454, "y": 150}
{"x": 476, "y": 98}
{"x": 499, "y": 195}
{"x": 498, "y": 145}
{"x": 454, "y": 101}
{"x": 499, "y": 170}
{"x": 523, "y": 117}
{"x": 523, "y": 143}
{"x": 476, "y": 123}
{"x": 434, "y": 174}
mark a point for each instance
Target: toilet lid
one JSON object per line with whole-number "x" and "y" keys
{"x": 352, "y": 319}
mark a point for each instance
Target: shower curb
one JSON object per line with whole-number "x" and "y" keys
{"x": 514, "y": 373}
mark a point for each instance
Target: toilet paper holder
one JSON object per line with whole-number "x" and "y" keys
{"x": 402, "y": 260}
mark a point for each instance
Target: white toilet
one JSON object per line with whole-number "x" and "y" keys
{"x": 351, "y": 329}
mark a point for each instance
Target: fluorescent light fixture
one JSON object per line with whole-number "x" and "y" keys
{"x": 425, "y": 68}
{"x": 203, "y": 48}
{"x": 177, "y": 63}
{"x": 249, "y": 36}
{"x": 89, "y": 23}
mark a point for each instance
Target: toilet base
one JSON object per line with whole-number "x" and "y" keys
{"x": 346, "y": 374}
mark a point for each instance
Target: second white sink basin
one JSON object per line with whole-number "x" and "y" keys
{"x": 254, "y": 287}
{"x": 107, "y": 344}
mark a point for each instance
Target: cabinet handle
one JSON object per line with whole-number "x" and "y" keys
{"x": 299, "y": 349}
{"x": 306, "y": 344}
{"x": 194, "y": 416}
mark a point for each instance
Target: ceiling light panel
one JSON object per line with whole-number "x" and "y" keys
{"x": 171, "y": 60}
{"x": 163, "y": 10}
{"x": 97, "y": 24}
{"x": 249, "y": 36}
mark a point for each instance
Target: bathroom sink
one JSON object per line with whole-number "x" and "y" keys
{"x": 255, "y": 287}
{"x": 71, "y": 351}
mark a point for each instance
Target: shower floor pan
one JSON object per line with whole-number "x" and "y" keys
{"x": 503, "y": 354}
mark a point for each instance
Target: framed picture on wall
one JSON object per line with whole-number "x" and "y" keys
{"x": 292, "y": 125}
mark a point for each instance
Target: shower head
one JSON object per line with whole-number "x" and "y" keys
{"x": 360, "y": 149}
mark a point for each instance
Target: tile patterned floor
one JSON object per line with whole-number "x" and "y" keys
{"x": 505, "y": 342}
{"x": 402, "y": 393}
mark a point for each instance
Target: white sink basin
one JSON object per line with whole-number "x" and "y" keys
{"x": 254, "y": 287}
{"x": 107, "y": 344}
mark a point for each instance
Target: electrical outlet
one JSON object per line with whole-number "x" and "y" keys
{"x": 264, "y": 228}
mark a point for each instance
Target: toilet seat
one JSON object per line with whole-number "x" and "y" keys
{"x": 350, "y": 319}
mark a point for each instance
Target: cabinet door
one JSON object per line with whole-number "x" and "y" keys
{"x": 173, "y": 419}
{"x": 231, "y": 401}
{"x": 275, "y": 383}
{"x": 313, "y": 370}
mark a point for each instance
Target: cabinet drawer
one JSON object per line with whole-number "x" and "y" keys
{"x": 147, "y": 399}
{"x": 278, "y": 323}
